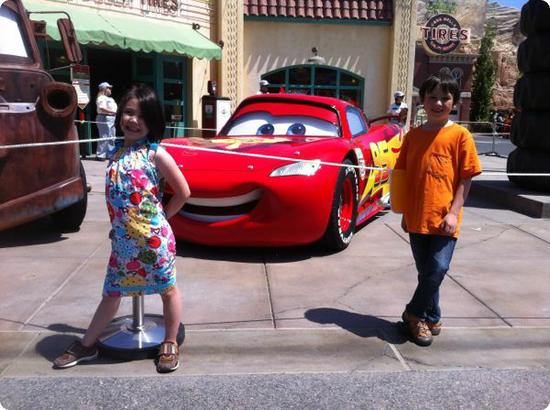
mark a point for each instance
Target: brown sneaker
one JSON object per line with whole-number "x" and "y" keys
{"x": 168, "y": 359}
{"x": 418, "y": 329}
{"x": 75, "y": 354}
{"x": 435, "y": 328}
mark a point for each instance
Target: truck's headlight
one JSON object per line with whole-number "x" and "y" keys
{"x": 306, "y": 168}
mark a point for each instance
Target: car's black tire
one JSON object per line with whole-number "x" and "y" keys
{"x": 70, "y": 218}
{"x": 531, "y": 129}
{"x": 535, "y": 17}
{"x": 534, "y": 53}
{"x": 341, "y": 227}
{"x": 530, "y": 161}
{"x": 532, "y": 91}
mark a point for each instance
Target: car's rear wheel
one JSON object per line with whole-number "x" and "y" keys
{"x": 70, "y": 218}
{"x": 343, "y": 213}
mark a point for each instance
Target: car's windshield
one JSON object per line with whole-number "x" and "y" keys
{"x": 263, "y": 123}
{"x": 11, "y": 36}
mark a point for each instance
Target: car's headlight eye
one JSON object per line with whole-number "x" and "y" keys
{"x": 266, "y": 129}
{"x": 296, "y": 129}
{"x": 305, "y": 168}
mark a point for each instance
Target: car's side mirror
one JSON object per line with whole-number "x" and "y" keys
{"x": 70, "y": 42}
{"x": 39, "y": 28}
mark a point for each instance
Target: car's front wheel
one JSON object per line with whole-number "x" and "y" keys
{"x": 70, "y": 218}
{"x": 343, "y": 213}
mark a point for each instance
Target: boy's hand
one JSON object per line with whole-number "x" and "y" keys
{"x": 449, "y": 224}
{"x": 404, "y": 224}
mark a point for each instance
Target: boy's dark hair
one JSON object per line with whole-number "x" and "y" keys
{"x": 150, "y": 107}
{"x": 447, "y": 83}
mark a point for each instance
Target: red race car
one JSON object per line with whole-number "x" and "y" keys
{"x": 281, "y": 172}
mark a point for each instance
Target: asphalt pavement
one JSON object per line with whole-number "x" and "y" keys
{"x": 289, "y": 327}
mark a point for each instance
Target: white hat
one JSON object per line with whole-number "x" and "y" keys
{"x": 399, "y": 94}
{"x": 264, "y": 82}
{"x": 104, "y": 85}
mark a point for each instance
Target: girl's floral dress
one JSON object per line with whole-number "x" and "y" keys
{"x": 143, "y": 246}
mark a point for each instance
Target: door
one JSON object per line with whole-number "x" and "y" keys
{"x": 167, "y": 75}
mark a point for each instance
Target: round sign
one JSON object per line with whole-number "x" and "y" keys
{"x": 442, "y": 34}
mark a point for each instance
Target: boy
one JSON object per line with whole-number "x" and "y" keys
{"x": 438, "y": 160}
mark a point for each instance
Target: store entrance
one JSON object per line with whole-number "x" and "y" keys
{"x": 114, "y": 67}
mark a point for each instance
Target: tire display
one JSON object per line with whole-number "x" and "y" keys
{"x": 531, "y": 129}
{"x": 531, "y": 92}
{"x": 530, "y": 161}
{"x": 531, "y": 126}
{"x": 343, "y": 213}
{"x": 70, "y": 218}
{"x": 535, "y": 17}
{"x": 534, "y": 53}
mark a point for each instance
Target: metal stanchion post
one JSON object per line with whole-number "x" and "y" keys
{"x": 494, "y": 134}
{"x": 137, "y": 310}
{"x": 135, "y": 336}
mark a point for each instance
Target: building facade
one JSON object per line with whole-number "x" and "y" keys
{"x": 357, "y": 50}
{"x": 360, "y": 51}
{"x": 165, "y": 44}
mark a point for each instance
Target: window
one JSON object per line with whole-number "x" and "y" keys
{"x": 356, "y": 123}
{"x": 12, "y": 42}
{"x": 317, "y": 80}
{"x": 284, "y": 120}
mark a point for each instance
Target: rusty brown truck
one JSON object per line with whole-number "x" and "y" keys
{"x": 43, "y": 179}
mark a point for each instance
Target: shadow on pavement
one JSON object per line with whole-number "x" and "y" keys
{"x": 41, "y": 231}
{"x": 360, "y": 325}
{"x": 259, "y": 254}
{"x": 477, "y": 201}
{"x": 249, "y": 254}
{"x": 53, "y": 346}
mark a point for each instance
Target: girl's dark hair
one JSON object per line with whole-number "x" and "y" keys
{"x": 447, "y": 83}
{"x": 150, "y": 108}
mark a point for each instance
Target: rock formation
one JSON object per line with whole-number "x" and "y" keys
{"x": 508, "y": 37}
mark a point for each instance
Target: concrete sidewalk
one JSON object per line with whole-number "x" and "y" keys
{"x": 289, "y": 310}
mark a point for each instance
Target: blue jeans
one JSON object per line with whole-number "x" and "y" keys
{"x": 432, "y": 254}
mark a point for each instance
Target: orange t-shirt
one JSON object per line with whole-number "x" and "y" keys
{"x": 434, "y": 163}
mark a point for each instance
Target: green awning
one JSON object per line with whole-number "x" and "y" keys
{"x": 126, "y": 31}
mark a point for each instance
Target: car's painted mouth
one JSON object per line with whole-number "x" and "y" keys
{"x": 220, "y": 209}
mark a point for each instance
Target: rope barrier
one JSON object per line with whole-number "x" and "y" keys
{"x": 167, "y": 127}
{"x": 252, "y": 155}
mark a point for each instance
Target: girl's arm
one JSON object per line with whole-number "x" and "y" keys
{"x": 169, "y": 170}
{"x": 451, "y": 219}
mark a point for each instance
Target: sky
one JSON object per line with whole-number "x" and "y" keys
{"x": 512, "y": 3}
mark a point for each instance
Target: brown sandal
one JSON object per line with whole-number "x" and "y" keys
{"x": 168, "y": 358}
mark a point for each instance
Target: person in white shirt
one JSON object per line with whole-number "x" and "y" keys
{"x": 106, "y": 113}
{"x": 398, "y": 109}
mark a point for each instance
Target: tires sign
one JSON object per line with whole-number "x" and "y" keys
{"x": 442, "y": 34}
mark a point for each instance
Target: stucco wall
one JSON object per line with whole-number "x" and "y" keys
{"x": 362, "y": 49}
{"x": 198, "y": 80}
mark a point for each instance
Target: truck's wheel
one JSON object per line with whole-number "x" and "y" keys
{"x": 531, "y": 92}
{"x": 531, "y": 129}
{"x": 530, "y": 161}
{"x": 343, "y": 213}
{"x": 70, "y": 218}
{"x": 534, "y": 53}
{"x": 535, "y": 17}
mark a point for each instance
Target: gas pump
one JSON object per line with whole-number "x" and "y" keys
{"x": 215, "y": 111}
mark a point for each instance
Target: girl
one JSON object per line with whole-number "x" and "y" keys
{"x": 143, "y": 246}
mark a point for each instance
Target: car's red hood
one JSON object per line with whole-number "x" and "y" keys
{"x": 279, "y": 146}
